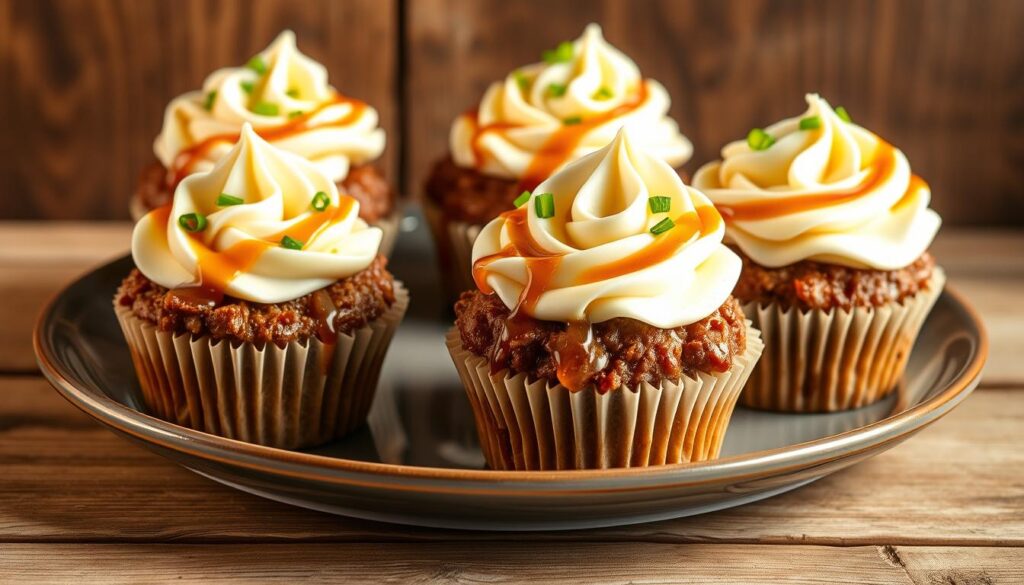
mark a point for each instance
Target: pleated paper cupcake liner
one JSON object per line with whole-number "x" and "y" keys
{"x": 827, "y": 361}
{"x": 390, "y": 226}
{"x": 527, "y": 425}
{"x": 300, "y": 395}
{"x": 454, "y": 240}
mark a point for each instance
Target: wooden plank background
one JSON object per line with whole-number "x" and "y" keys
{"x": 83, "y": 83}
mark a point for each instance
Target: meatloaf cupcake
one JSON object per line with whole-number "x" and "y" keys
{"x": 535, "y": 121}
{"x": 261, "y": 308}
{"x": 834, "y": 229}
{"x": 285, "y": 96}
{"x": 603, "y": 332}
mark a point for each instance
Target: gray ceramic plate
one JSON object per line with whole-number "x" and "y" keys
{"x": 417, "y": 462}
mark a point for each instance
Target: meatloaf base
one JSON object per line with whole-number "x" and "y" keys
{"x": 358, "y": 300}
{"x": 810, "y": 285}
{"x": 622, "y": 351}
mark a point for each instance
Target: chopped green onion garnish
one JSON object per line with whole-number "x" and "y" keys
{"x": 291, "y": 243}
{"x": 660, "y": 204}
{"x": 247, "y": 86}
{"x": 320, "y": 201}
{"x": 556, "y": 89}
{"x": 603, "y": 94}
{"x": 295, "y": 114}
{"x": 810, "y": 123}
{"x": 265, "y": 109}
{"x": 572, "y": 120}
{"x": 523, "y": 198}
{"x": 192, "y": 222}
{"x": 257, "y": 64}
{"x": 758, "y": 139}
{"x": 292, "y": 93}
{"x": 225, "y": 200}
{"x": 560, "y": 54}
{"x": 522, "y": 80}
{"x": 663, "y": 226}
{"x": 544, "y": 205}
{"x": 210, "y": 98}
{"x": 843, "y": 114}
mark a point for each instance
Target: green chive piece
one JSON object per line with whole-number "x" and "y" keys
{"x": 291, "y": 243}
{"x": 556, "y": 89}
{"x": 758, "y": 139}
{"x": 603, "y": 94}
{"x": 843, "y": 114}
{"x": 660, "y": 204}
{"x": 225, "y": 200}
{"x": 572, "y": 120}
{"x": 257, "y": 64}
{"x": 295, "y": 114}
{"x": 192, "y": 222}
{"x": 210, "y": 98}
{"x": 292, "y": 93}
{"x": 522, "y": 80}
{"x": 320, "y": 201}
{"x": 247, "y": 86}
{"x": 544, "y": 205}
{"x": 663, "y": 226}
{"x": 523, "y": 198}
{"x": 810, "y": 123}
{"x": 265, "y": 109}
{"x": 560, "y": 54}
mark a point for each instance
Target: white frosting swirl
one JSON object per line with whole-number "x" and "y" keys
{"x": 606, "y": 261}
{"x": 871, "y": 212}
{"x": 334, "y": 133}
{"x": 599, "y": 82}
{"x": 239, "y": 252}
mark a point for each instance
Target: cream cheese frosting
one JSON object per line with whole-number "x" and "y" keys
{"x": 832, "y": 192}
{"x": 285, "y": 96}
{"x": 572, "y": 104}
{"x": 253, "y": 198}
{"x": 597, "y": 256}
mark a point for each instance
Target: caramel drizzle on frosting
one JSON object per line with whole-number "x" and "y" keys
{"x": 559, "y": 146}
{"x": 541, "y": 265}
{"x": 218, "y": 268}
{"x": 573, "y": 355}
{"x": 186, "y": 159}
{"x": 770, "y": 207}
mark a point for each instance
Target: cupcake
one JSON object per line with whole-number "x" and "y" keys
{"x": 603, "y": 332}
{"x": 537, "y": 120}
{"x": 261, "y": 308}
{"x": 833, "y": 229}
{"x": 285, "y": 96}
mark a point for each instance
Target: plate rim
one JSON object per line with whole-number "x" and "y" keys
{"x": 323, "y": 468}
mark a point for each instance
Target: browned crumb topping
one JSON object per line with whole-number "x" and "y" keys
{"x": 357, "y": 300}
{"x": 620, "y": 352}
{"x": 812, "y": 285}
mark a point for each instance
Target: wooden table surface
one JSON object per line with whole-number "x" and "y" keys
{"x": 78, "y": 504}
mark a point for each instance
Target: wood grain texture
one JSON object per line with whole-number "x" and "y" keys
{"x": 67, "y": 479}
{"x": 941, "y": 79}
{"x": 89, "y": 81}
{"x": 592, "y": 564}
{"x": 595, "y": 564}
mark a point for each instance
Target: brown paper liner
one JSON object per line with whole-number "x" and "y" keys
{"x": 527, "y": 425}
{"x": 300, "y": 395}
{"x": 826, "y": 361}
{"x": 454, "y": 241}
